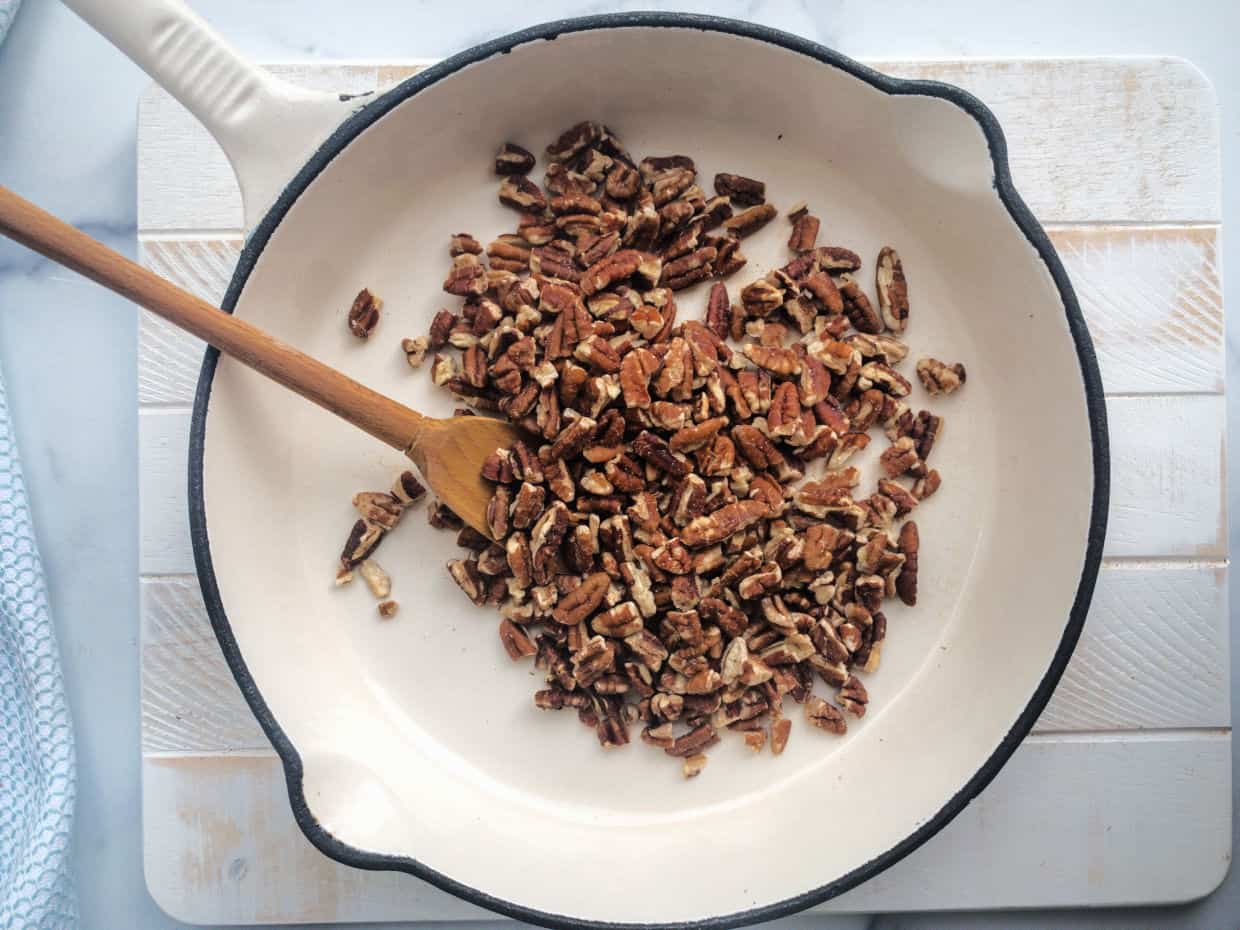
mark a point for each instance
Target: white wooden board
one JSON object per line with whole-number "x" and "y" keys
{"x": 1123, "y": 793}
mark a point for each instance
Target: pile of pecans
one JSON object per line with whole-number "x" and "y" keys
{"x": 655, "y": 545}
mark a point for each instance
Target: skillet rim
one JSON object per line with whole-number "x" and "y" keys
{"x": 1095, "y": 405}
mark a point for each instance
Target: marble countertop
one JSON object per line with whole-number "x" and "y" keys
{"x": 68, "y": 104}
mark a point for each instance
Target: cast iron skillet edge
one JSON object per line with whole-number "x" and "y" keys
{"x": 1095, "y": 406}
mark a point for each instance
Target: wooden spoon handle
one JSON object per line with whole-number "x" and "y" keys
{"x": 382, "y": 417}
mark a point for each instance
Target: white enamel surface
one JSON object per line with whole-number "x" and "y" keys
{"x": 418, "y": 736}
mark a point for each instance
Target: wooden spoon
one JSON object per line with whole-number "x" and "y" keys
{"x": 449, "y": 453}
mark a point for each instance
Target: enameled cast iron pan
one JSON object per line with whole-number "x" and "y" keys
{"x": 413, "y": 745}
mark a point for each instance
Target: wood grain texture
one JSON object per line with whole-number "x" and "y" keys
{"x": 1162, "y": 111}
{"x": 232, "y": 853}
{"x": 1099, "y": 140}
{"x": 1154, "y": 652}
{"x": 1153, "y": 298}
{"x": 1168, "y": 468}
{"x": 169, "y": 359}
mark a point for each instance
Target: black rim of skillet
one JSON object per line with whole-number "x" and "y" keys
{"x": 1094, "y": 401}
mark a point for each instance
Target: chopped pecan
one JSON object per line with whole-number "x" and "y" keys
{"x": 762, "y": 297}
{"x": 415, "y": 350}
{"x": 939, "y": 377}
{"x": 582, "y": 601}
{"x": 852, "y": 697}
{"x": 723, "y": 523}
{"x": 906, "y": 581}
{"x": 749, "y": 221}
{"x": 517, "y": 642}
{"x": 693, "y": 742}
{"x": 658, "y": 453}
{"x": 834, "y": 258}
{"x": 900, "y": 457}
{"x": 857, "y": 306}
{"x": 780, "y": 730}
{"x": 740, "y": 190}
{"x": 595, "y": 658}
{"x": 892, "y": 289}
{"x": 379, "y": 582}
{"x": 520, "y": 193}
{"x": 778, "y": 361}
{"x": 610, "y": 270}
{"x": 825, "y": 716}
{"x": 379, "y": 508}
{"x": 467, "y": 278}
{"x": 512, "y": 159}
{"x": 693, "y": 765}
{"x": 364, "y": 313}
{"x": 804, "y": 231}
{"x": 465, "y": 573}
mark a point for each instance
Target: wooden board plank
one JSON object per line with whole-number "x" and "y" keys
{"x": 1099, "y": 140}
{"x": 227, "y": 850}
{"x": 1168, "y": 477}
{"x": 163, "y": 516}
{"x": 1166, "y": 481}
{"x": 1152, "y": 296}
{"x": 1154, "y": 653}
{"x": 1164, "y": 110}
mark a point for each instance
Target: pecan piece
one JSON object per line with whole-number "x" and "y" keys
{"x": 512, "y": 159}
{"x": 693, "y": 742}
{"x": 582, "y": 601}
{"x": 804, "y": 231}
{"x": 761, "y": 298}
{"x": 740, "y": 190}
{"x": 465, "y": 573}
{"x": 852, "y": 697}
{"x": 467, "y": 278}
{"x": 717, "y": 309}
{"x": 749, "y": 221}
{"x": 595, "y": 658}
{"x": 517, "y": 642}
{"x": 834, "y": 258}
{"x": 658, "y": 453}
{"x": 906, "y": 581}
{"x": 520, "y": 193}
{"x": 892, "y": 289}
{"x": 622, "y": 621}
{"x": 723, "y": 523}
{"x": 857, "y": 306}
{"x": 939, "y": 377}
{"x": 825, "y": 716}
{"x": 780, "y": 730}
{"x": 693, "y": 765}
{"x": 363, "y": 539}
{"x": 379, "y": 508}
{"x": 364, "y": 313}
{"x": 778, "y": 361}
{"x": 415, "y": 350}
{"x": 900, "y": 457}
{"x": 610, "y": 270}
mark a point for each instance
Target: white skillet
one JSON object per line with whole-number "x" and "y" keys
{"x": 413, "y": 744}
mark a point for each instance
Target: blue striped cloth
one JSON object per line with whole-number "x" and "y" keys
{"x": 36, "y": 736}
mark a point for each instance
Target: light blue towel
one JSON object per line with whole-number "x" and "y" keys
{"x": 36, "y": 738}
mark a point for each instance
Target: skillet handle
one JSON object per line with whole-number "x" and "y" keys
{"x": 267, "y": 127}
